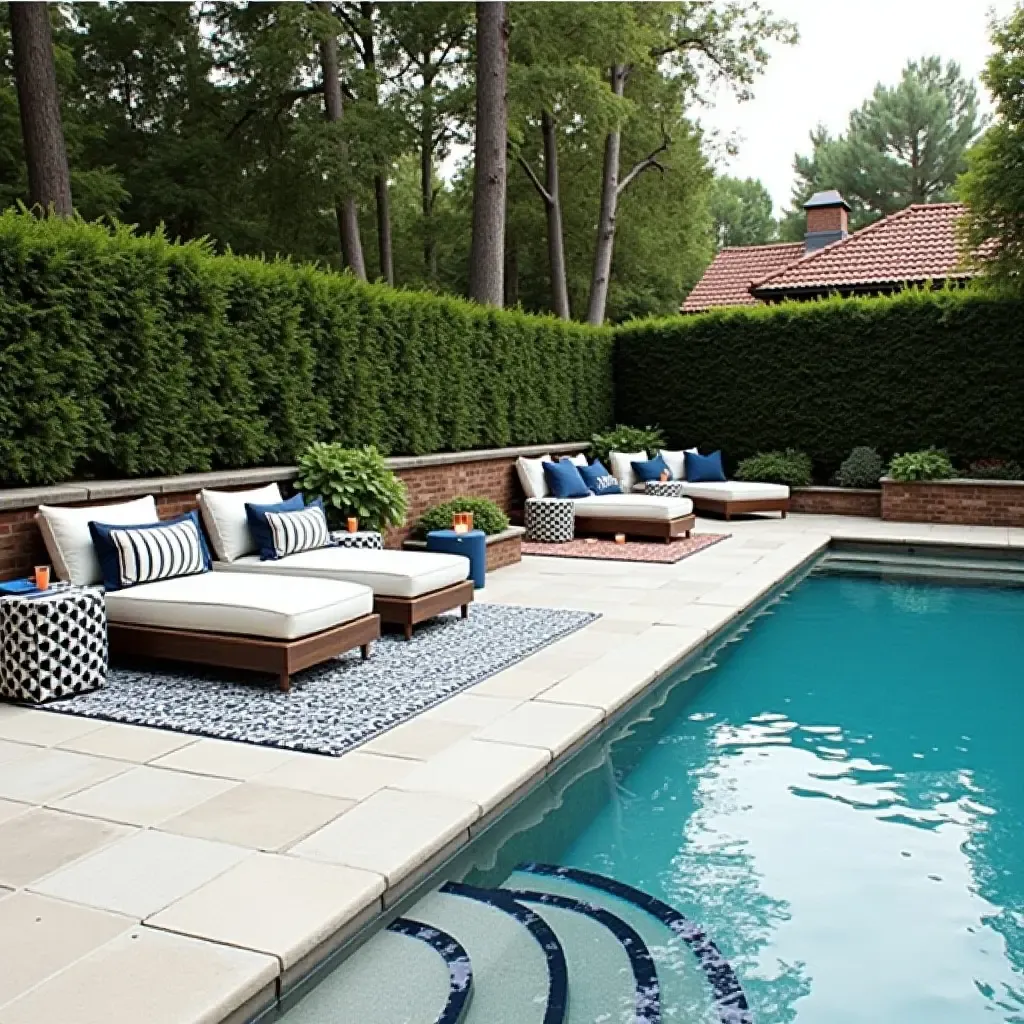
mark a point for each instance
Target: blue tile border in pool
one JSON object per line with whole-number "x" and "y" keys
{"x": 645, "y": 974}
{"x": 729, "y": 997}
{"x": 460, "y": 970}
{"x": 558, "y": 973}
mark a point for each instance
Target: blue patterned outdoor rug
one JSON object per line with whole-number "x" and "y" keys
{"x": 340, "y": 704}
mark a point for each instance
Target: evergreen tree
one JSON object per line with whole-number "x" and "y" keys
{"x": 742, "y": 212}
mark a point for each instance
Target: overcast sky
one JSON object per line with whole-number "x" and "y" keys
{"x": 845, "y": 47}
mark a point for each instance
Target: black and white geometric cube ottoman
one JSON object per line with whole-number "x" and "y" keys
{"x": 550, "y": 520}
{"x": 369, "y": 539}
{"x": 666, "y": 488}
{"x": 53, "y": 646}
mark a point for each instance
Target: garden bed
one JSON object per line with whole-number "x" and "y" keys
{"x": 505, "y": 548}
{"x": 836, "y": 501}
{"x": 959, "y": 502}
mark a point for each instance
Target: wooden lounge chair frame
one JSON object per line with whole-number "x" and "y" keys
{"x": 408, "y": 611}
{"x": 254, "y": 653}
{"x": 728, "y": 509}
{"x": 667, "y": 530}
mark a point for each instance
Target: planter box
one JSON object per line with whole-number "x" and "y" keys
{"x": 959, "y": 502}
{"x": 505, "y": 548}
{"x": 836, "y": 501}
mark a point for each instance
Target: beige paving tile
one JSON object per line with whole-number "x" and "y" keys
{"x": 11, "y": 809}
{"x": 554, "y": 727}
{"x": 471, "y": 709}
{"x": 144, "y": 795}
{"x": 417, "y": 739}
{"x": 259, "y": 817}
{"x": 50, "y": 774}
{"x": 522, "y": 681}
{"x": 150, "y": 976}
{"x": 10, "y": 751}
{"x": 352, "y": 777}
{"x": 274, "y": 904}
{"x": 44, "y": 728}
{"x": 128, "y": 742}
{"x": 475, "y": 770}
{"x": 143, "y": 873}
{"x": 40, "y": 936}
{"x": 34, "y": 844}
{"x": 391, "y": 832}
{"x": 223, "y": 758}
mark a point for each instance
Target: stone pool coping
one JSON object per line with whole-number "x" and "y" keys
{"x": 152, "y": 856}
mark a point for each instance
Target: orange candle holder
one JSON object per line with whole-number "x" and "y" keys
{"x": 42, "y": 574}
{"x": 620, "y": 538}
{"x": 352, "y": 524}
{"x": 462, "y": 522}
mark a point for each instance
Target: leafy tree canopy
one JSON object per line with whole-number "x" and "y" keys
{"x": 742, "y": 212}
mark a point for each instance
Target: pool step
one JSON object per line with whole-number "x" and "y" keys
{"x": 926, "y": 562}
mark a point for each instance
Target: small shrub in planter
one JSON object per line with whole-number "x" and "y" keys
{"x": 790, "y": 467}
{"x": 863, "y": 467}
{"x": 995, "y": 469}
{"x": 487, "y": 516}
{"x": 626, "y": 439}
{"x": 930, "y": 464}
{"x": 353, "y": 482}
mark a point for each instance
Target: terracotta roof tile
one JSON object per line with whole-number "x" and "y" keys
{"x": 727, "y": 281}
{"x": 917, "y": 244}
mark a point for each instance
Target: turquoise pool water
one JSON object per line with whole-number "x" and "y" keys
{"x": 834, "y": 798}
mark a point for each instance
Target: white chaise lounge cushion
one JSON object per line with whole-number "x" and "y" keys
{"x": 632, "y": 506}
{"x": 622, "y": 467}
{"x": 387, "y": 573}
{"x": 274, "y": 607}
{"x": 676, "y": 461}
{"x": 531, "y": 476}
{"x": 738, "y": 490}
{"x": 66, "y": 534}
{"x": 226, "y": 522}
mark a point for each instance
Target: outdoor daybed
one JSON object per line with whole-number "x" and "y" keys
{"x": 173, "y": 607}
{"x": 408, "y": 587}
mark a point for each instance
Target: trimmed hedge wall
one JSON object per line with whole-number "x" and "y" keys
{"x": 922, "y": 368}
{"x": 127, "y": 355}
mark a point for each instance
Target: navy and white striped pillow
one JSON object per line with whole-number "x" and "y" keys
{"x": 130, "y": 555}
{"x": 303, "y": 530}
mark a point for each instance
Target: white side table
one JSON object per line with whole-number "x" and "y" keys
{"x": 369, "y": 539}
{"x": 53, "y": 645}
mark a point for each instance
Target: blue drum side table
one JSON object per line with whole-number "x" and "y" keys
{"x": 472, "y": 545}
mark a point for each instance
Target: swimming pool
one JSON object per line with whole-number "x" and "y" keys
{"x": 822, "y": 821}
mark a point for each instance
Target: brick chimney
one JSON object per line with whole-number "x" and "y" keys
{"x": 828, "y": 216}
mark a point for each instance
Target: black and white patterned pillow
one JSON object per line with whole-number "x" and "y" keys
{"x": 130, "y": 555}
{"x": 303, "y": 530}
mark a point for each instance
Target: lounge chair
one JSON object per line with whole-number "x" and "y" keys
{"x": 409, "y": 587}
{"x": 265, "y": 623}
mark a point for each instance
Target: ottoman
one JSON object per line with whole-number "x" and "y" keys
{"x": 369, "y": 540}
{"x": 471, "y": 545}
{"x": 52, "y": 645}
{"x": 550, "y": 520}
{"x": 666, "y": 488}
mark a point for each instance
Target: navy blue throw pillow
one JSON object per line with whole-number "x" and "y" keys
{"x": 564, "y": 480}
{"x": 599, "y": 480}
{"x": 130, "y": 555}
{"x": 259, "y": 527}
{"x": 704, "y": 469}
{"x": 651, "y": 470}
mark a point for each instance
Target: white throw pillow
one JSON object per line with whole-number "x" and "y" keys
{"x": 531, "y": 476}
{"x": 579, "y": 460}
{"x": 676, "y": 462}
{"x": 226, "y": 521}
{"x": 622, "y": 468}
{"x": 66, "y": 534}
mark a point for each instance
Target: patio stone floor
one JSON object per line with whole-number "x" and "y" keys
{"x": 151, "y": 876}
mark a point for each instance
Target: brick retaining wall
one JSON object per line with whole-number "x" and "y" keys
{"x": 958, "y": 502}
{"x": 836, "y": 501}
{"x": 429, "y": 479}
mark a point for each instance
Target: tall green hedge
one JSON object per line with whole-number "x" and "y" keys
{"x": 942, "y": 368}
{"x": 130, "y": 355}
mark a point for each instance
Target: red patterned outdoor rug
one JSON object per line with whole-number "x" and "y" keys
{"x": 631, "y": 551}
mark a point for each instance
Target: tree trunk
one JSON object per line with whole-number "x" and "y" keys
{"x": 427, "y": 181}
{"x": 344, "y": 206}
{"x": 606, "y": 218}
{"x": 553, "y": 202}
{"x": 49, "y": 180}
{"x": 488, "y": 247}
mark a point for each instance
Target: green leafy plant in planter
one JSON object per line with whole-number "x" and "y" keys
{"x": 626, "y": 439}
{"x": 353, "y": 482}
{"x": 862, "y": 468}
{"x": 487, "y": 515}
{"x": 790, "y": 467}
{"x": 929, "y": 464}
{"x": 995, "y": 469}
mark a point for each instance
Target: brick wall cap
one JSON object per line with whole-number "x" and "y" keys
{"x": 837, "y": 490}
{"x": 958, "y": 482}
{"x": 29, "y": 497}
{"x": 495, "y": 538}
{"x": 485, "y": 455}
